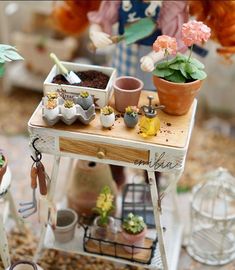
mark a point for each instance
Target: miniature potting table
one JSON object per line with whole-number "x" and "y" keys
{"x": 6, "y": 199}
{"x": 165, "y": 152}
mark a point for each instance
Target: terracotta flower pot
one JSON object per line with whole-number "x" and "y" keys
{"x": 24, "y": 265}
{"x": 134, "y": 239}
{"x": 3, "y": 169}
{"x": 177, "y": 97}
{"x": 66, "y": 224}
{"x": 127, "y": 92}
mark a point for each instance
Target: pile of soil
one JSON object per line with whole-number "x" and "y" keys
{"x": 90, "y": 78}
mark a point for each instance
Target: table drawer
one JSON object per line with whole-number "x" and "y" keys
{"x": 102, "y": 150}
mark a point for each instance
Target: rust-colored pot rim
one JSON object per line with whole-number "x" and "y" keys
{"x": 175, "y": 83}
{"x": 141, "y": 84}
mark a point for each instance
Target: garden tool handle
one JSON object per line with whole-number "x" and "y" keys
{"x": 59, "y": 64}
{"x": 34, "y": 175}
{"x": 42, "y": 179}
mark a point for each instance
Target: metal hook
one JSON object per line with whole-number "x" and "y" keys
{"x": 38, "y": 154}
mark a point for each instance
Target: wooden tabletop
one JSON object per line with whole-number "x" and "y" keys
{"x": 174, "y": 130}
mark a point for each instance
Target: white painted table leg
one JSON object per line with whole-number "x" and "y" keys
{"x": 14, "y": 213}
{"x": 51, "y": 191}
{"x": 157, "y": 218}
{"x": 4, "y": 249}
{"x": 176, "y": 177}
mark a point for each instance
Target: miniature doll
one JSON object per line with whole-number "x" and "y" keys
{"x": 169, "y": 17}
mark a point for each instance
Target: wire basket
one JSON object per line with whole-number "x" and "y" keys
{"x": 116, "y": 247}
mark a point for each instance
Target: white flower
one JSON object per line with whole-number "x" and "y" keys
{"x": 131, "y": 223}
{"x": 141, "y": 219}
{"x": 130, "y": 215}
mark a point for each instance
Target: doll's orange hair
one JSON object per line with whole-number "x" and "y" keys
{"x": 70, "y": 16}
{"x": 220, "y": 16}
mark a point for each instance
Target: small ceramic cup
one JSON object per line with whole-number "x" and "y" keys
{"x": 127, "y": 92}
{"x": 65, "y": 226}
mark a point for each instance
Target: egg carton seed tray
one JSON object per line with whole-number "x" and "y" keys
{"x": 84, "y": 116}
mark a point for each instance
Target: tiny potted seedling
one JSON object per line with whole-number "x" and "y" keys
{"x": 68, "y": 109}
{"x": 104, "y": 225}
{"x": 51, "y": 109}
{"x": 85, "y": 100}
{"x": 131, "y": 116}
{"x": 3, "y": 165}
{"x": 107, "y": 116}
{"x": 134, "y": 230}
{"x": 52, "y": 96}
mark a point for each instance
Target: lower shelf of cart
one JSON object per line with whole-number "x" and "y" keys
{"x": 172, "y": 241}
{"x": 76, "y": 246}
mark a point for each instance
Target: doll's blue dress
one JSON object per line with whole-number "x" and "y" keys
{"x": 126, "y": 59}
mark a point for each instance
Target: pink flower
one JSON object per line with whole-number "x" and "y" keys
{"x": 194, "y": 32}
{"x": 165, "y": 43}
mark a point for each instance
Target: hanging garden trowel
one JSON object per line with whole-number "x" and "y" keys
{"x": 133, "y": 32}
{"x": 70, "y": 76}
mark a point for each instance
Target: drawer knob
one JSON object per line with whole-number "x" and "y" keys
{"x": 101, "y": 154}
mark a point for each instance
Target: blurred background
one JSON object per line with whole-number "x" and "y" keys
{"x": 28, "y": 26}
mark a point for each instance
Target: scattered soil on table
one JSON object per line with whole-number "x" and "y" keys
{"x": 90, "y": 78}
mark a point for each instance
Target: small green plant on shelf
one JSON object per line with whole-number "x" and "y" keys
{"x": 104, "y": 205}
{"x": 84, "y": 94}
{"x": 8, "y": 54}
{"x": 133, "y": 224}
{"x": 68, "y": 104}
{"x": 52, "y": 95}
{"x": 51, "y": 104}
{"x": 107, "y": 110}
{"x": 132, "y": 111}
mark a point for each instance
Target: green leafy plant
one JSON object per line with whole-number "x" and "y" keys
{"x": 181, "y": 69}
{"x": 133, "y": 224}
{"x": 7, "y": 54}
{"x": 104, "y": 205}
{"x": 132, "y": 111}
{"x": 107, "y": 110}
{"x": 2, "y": 161}
{"x": 84, "y": 94}
{"x": 68, "y": 103}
